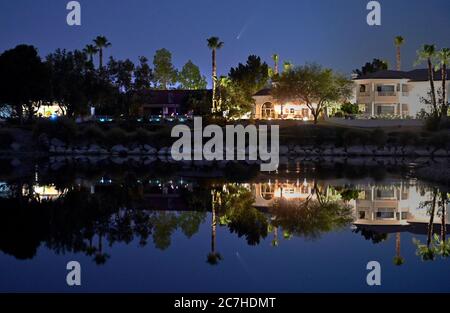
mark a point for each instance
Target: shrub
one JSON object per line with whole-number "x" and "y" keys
{"x": 350, "y": 108}
{"x": 64, "y": 129}
{"x": 6, "y": 139}
{"x": 339, "y": 114}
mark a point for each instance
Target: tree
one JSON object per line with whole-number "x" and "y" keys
{"x": 165, "y": 74}
{"x": 24, "y": 80}
{"x": 143, "y": 75}
{"x": 234, "y": 101}
{"x": 236, "y": 91}
{"x": 199, "y": 103}
{"x": 375, "y": 66}
{"x": 121, "y": 75}
{"x": 444, "y": 60}
{"x": 398, "y": 42}
{"x": 190, "y": 77}
{"x": 427, "y": 53}
{"x": 287, "y": 66}
{"x": 252, "y": 76}
{"x": 90, "y": 51}
{"x": 275, "y": 59}
{"x": 72, "y": 82}
{"x": 315, "y": 86}
{"x": 101, "y": 43}
{"x": 214, "y": 44}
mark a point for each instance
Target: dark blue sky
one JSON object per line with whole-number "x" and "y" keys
{"x": 331, "y": 32}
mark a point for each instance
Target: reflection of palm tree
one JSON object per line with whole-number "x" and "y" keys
{"x": 399, "y": 41}
{"x": 100, "y": 257}
{"x": 214, "y": 257}
{"x": 398, "y": 260}
{"x": 428, "y": 251}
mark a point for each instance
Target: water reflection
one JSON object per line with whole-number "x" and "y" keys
{"x": 85, "y": 215}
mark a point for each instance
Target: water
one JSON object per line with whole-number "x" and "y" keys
{"x": 311, "y": 227}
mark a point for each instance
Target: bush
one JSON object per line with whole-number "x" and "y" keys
{"x": 339, "y": 114}
{"x": 350, "y": 108}
{"x": 6, "y": 139}
{"x": 63, "y": 129}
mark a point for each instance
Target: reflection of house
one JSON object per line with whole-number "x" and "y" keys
{"x": 168, "y": 102}
{"x": 266, "y": 193}
{"x": 394, "y": 93}
{"x": 393, "y": 204}
{"x": 44, "y": 192}
{"x": 266, "y": 107}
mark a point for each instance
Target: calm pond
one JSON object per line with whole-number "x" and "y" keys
{"x": 310, "y": 227}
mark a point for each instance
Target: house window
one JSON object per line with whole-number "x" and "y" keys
{"x": 385, "y": 215}
{"x": 386, "y": 109}
{"x": 386, "y": 88}
{"x": 362, "y": 88}
{"x": 362, "y": 215}
{"x": 385, "y": 194}
{"x": 292, "y": 111}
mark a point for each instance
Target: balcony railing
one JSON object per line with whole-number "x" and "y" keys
{"x": 386, "y": 93}
{"x": 364, "y": 94}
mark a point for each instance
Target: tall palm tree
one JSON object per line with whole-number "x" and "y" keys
{"x": 399, "y": 41}
{"x": 275, "y": 59}
{"x": 444, "y": 60}
{"x": 101, "y": 42}
{"x": 214, "y": 44}
{"x": 427, "y": 53}
{"x": 90, "y": 51}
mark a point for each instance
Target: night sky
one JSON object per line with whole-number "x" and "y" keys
{"x": 331, "y": 32}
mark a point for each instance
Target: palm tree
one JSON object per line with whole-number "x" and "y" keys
{"x": 427, "y": 54}
{"x": 444, "y": 59}
{"x": 90, "y": 50}
{"x": 275, "y": 59}
{"x": 287, "y": 66}
{"x": 399, "y": 41}
{"x": 214, "y": 44}
{"x": 101, "y": 43}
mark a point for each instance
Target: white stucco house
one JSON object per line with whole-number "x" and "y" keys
{"x": 395, "y": 93}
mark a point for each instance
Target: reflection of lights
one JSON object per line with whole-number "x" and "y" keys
{"x": 305, "y": 119}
